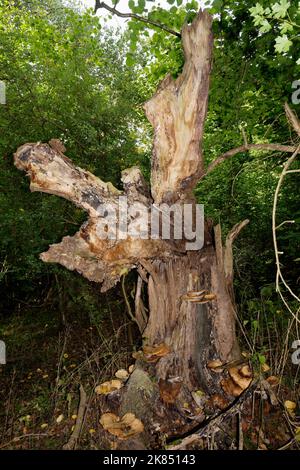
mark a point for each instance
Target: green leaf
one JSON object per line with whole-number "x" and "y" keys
{"x": 217, "y": 5}
{"x": 257, "y": 10}
{"x": 279, "y": 10}
{"x": 130, "y": 60}
{"x": 193, "y": 5}
{"x": 265, "y": 26}
{"x": 141, "y": 4}
{"x": 131, "y": 5}
{"x": 285, "y": 27}
{"x": 262, "y": 359}
{"x": 282, "y": 44}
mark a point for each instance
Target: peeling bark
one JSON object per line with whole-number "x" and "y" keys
{"x": 177, "y": 112}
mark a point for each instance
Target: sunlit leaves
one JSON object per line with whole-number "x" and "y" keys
{"x": 282, "y": 15}
{"x": 280, "y": 9}
{"x": 265, "y": 26}
{"x": 258, "y": 10}
{"x": 216, "y": 6}
{"x": 282, "y": 44}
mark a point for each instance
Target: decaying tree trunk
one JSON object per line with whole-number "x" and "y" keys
{"x": 197, "y": 332}
{"x": 191, "y": 305}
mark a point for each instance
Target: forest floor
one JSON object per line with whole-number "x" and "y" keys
{"x": 39, "y": 386}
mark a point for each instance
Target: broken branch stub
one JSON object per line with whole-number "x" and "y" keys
{"x": 177, "y": 112}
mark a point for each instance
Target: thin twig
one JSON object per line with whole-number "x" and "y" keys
{"x": 216, "y": 419}
{"x": 134, "y": 16}
{"x": 70, "y": 445}
{"x": 245, "y": 148}
{"x": 128, "y": 307}
{"x": 279, "y": 276}
{"x": 18, "y": 438}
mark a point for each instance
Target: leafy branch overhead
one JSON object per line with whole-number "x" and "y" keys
{"x": 281, "y": 15}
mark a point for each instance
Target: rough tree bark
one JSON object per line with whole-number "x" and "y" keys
{"x": 196, "y": 332}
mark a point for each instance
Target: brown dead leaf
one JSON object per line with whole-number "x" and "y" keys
{"x": 219, "y": 402}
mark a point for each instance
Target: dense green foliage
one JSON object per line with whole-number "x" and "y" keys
{"x": 66, "y": 78}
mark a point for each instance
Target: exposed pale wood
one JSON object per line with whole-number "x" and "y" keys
{"x": 50, "y": 171}
{"x": 292, "y": 118}
{"x": 177, "y": 112}
{"x": 98, "y": 259}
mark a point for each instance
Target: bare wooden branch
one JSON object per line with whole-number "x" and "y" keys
{"x": 50, "y": 171}
{"x": 71, "y": 444}
{"x": 279, "y": 276}
{"x": 224, "y": 254}
{"x": 134, "y": 16}
{"x": 228, "y": 257}
{"x": 245, "y": 148}
{"x": 292, "y": 118}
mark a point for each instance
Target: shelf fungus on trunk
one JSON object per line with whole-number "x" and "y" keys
{"x": 201, "y": 297}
